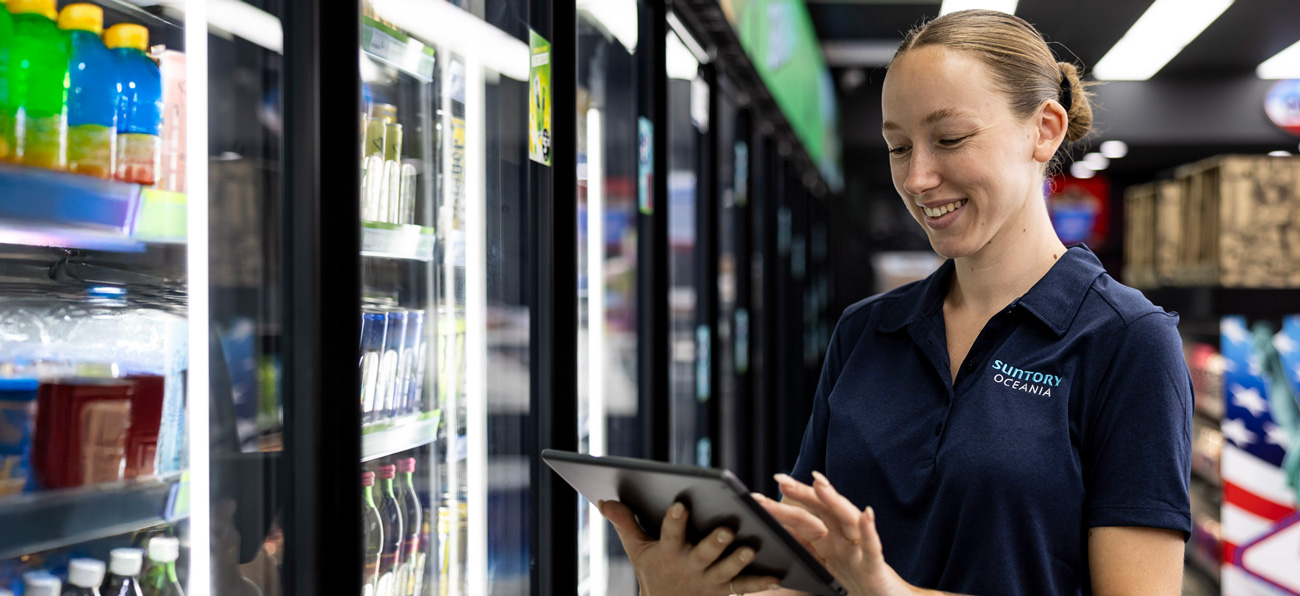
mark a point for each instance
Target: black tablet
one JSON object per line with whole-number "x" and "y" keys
{"x": 714, "y": 497}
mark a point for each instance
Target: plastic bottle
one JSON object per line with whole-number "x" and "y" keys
{"x": 390, "y": 512}
{"x": 92, "y": 92}
{"x": 40, "y": 583}
{"x": 412, "y": 560}
{"x": 38, "y": 84}
{"x": 160, "y": 578}
{"x": 374, "y": 535}
{"x": 124, "y": 572}
{"x": 84, "y": 577}
{"x": 139, "y": 105}
{"x": 7, "y": 146}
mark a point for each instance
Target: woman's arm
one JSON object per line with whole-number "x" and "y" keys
{"x": 1125, "y": 561}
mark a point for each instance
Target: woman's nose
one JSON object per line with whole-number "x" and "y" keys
{"x": 922, "y": 175}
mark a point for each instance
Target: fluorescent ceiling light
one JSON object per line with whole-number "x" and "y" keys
{"x": 1114, "y": 149}
{"x": 1096, "y": 161}
{"x": 675, "y": 24}
{"x": 1283, "y": 65}
{"x": 1159, "y": 35}
{"x": 868, "y": 53}
{"x": 617, "y": 17}
{"x": 451, "y": 28}
{"x": 1007, "y": 6}
{"x": 1279, "y": 154}
{"x": 1081, "y": 170}
{"x": 681, "y": 62}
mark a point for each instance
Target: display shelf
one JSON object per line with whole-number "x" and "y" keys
{"x": 392, "y": 47}
{"x": 34, "y": 522}
{"x": 397, "y": 241}
{"x": 46, "y": 208}
{"x": 396, "y": 437}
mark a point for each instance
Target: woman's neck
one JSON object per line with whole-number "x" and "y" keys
{"x": 1008, "y": 266}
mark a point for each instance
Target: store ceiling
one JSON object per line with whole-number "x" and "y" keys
{"x": 1248, "y": 33}
{"x": 1206, "y": 101}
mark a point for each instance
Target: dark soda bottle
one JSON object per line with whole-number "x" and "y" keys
{"x": 84, "y": 577}
{"x": 411, "y": 511}
{"x": 374, "y": 535}
{"x": 390, "y": 513}
{"x": 160, "y": 578}
{"x": 124, "y": 572}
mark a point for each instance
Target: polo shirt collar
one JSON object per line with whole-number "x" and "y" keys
{"x": 1054, "y": 300}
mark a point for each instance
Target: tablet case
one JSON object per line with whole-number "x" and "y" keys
{"x": 713, "y": 497}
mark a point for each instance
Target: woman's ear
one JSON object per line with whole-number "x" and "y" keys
{"x": 1052, "y": 124}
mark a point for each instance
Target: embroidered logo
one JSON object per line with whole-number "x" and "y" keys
{"x": 1029, "y": 381}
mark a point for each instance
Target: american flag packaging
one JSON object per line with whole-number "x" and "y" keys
{"x": 1261, "y": 457}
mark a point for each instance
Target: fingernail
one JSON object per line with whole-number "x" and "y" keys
{"x": 818, "y": 476}
{"x": 774, "y": 586}
{"x": 871, "y": 514}
{"x": 724, "y": 537}
{"x": 758, "y": 496}
{"x": 677, "y": 510}
{"x": 600, "y": 505}
{"x": 746, "y": 555}
{"x": 783, "y": 478}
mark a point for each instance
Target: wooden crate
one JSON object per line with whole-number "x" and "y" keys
{"x": 1241, "y": 222}
{"x": 1167, "y": 229}
{"x": 1139, "y": 236}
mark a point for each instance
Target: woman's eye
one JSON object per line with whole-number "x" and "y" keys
{"x": 898, "y": 150}
{"x": 953, "y": 142}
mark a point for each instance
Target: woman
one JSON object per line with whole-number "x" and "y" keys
{"x": 1018, "y": 422}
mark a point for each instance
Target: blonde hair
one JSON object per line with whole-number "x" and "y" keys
{"x": 1017, "y": 57}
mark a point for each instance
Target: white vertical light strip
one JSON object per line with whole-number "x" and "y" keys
{"x": 1283, "y": 65}
{"x": 447, "y": 322}
{"x": 196, "y": 181}
{"x": 476, "y": 410}
{"x": 596, "y": 441}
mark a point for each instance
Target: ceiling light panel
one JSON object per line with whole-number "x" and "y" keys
{"x": 1007, "y": 6}
{"x": 1159, "y": 35}
{"x": 1284, "y": 65}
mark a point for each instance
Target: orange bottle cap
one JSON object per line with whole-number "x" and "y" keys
{"x": 126, "y": 35}
{"x": 45, "y": 8}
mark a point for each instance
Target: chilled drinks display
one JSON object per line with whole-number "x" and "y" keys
{"x": 387, "y": 185}
{"x": 103, "y": 107}
{"x": 84, "y": 577}
{"x": 393, "y": 355}
{"x": 396, "y": 541}
{"x": 124, "y": 573}
{"x": 88, "y": 394}
{"x": 160, "y": 577}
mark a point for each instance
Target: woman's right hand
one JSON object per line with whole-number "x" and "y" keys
{"x": 672, "y": 567}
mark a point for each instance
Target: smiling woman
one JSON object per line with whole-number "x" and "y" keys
{"x": 1017, "y": 423}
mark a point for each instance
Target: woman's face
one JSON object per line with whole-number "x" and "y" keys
{"x": 966, "y": 167}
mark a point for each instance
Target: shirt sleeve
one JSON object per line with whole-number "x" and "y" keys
{"x": 812, "y": 451}
{"x": 1137, "y": 455}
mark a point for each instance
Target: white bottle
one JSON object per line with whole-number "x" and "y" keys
{"x": 39, "y": 583}
{"x": 85, "y": 575}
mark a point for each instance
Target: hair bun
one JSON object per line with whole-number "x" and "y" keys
{"x": 1079, "y": 106}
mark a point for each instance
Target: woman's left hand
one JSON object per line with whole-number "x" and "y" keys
{"x": 837, "y": 533}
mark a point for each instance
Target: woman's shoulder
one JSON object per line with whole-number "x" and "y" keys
{"x": 870, "y": 311}
{"x": 1123, "y": 304}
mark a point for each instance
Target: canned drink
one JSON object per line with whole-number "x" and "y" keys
{"x": 372, "y": 348}
{"x": 394, "y": 338}
{"x": 411, "y": 371}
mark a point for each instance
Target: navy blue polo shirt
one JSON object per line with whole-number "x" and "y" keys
{"x": 1072, "y": 411}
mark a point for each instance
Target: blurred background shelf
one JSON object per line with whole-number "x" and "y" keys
{"x": 34, "y": 522}
{"x": 47, "y": 208}
{"x": 398, "y": 437}
{"x": 396, "y": 49}
{"x": 1207, "y": 303}
{"x": 397, "y": 241}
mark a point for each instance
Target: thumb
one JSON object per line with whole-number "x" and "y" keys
{"x": 629, "y": 531}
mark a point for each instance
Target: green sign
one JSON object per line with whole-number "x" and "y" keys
{"x": 539, "y": 100}
{"x": 779, "y": 38}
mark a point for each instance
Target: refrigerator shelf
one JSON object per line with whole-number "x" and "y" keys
{"x": 40, "y": 521}
{"x": 397, "y": 241}
{"x": 47, "y": 208}
{"x": 392, "y": 47}
{"x": 397, "y": 437}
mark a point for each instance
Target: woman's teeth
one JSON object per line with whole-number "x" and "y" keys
{"x": 936, "y": 212}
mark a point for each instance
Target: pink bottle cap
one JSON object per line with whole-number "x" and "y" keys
{"x": 367, "y": 479}
{"x": 387, "y": 472}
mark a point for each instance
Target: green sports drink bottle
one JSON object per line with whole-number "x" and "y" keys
{"x": 38, "y": 83}
{"x": 6, "y": 118}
